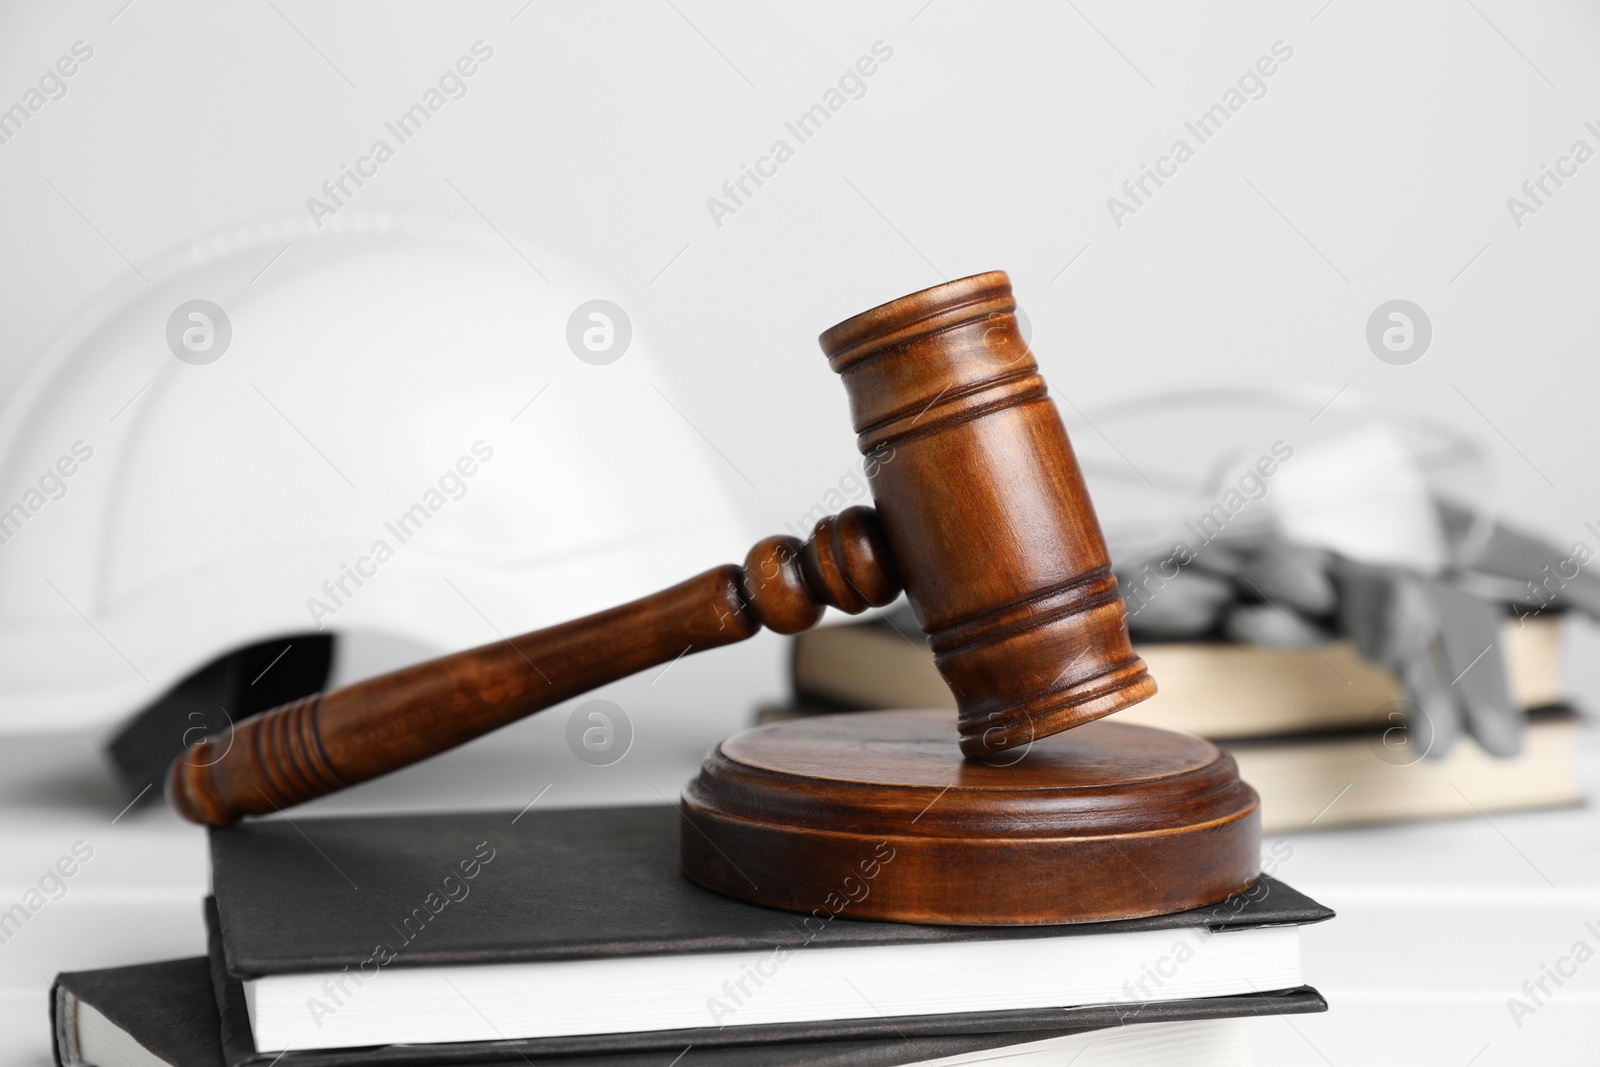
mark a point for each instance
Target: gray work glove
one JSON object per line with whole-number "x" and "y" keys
{"x": 1443, "y": 644}
{"x": 1294, "y": 593}
{"x": 1524, "y": 570}
{"x": 1184, "y": 606}
{"x": 1252, "y": 588}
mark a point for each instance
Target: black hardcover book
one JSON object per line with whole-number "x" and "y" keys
{"x": 166, "y": 1007}
{"x": 168, "y": 1010}
{"x": 319, "y": 919}
{"x": 562, "y": 884}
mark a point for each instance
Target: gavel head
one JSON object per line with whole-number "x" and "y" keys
{"x": 986, "y": 515}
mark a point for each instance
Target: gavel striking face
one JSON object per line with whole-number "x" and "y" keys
{"x": 981, "y": 516}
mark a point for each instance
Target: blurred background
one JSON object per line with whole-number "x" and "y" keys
{"x": 378, "y": 331}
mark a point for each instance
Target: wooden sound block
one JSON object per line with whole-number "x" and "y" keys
{"x": 876, "y": 815}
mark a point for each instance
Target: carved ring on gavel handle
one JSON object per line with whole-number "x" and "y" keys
{"x": 981, "y": 514}
{"x": 325, "y": 742}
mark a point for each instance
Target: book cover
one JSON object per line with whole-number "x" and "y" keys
{"x": 450, "y": 889}
{"x": 498, "y": 887}
{"x": 167, "y": 1008}
{"x": 1217, "y": 689}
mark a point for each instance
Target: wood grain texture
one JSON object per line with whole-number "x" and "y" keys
{"x": 877, "y": 815}
{"x": 986, "y": 513}
{"x": 982, "y": 516}
{"x": 328, "y": 741}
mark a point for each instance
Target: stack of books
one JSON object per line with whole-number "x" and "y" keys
{"x": 1306, "y": 725}
{"x": 570, "y": 937}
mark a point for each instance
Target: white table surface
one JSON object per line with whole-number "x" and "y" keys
{"x": 1438, "y": 923}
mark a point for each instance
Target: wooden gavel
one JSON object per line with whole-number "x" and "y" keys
{"x": 981, "y": 516}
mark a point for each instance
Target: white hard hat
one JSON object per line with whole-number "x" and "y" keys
{"x": 378, "y": 427}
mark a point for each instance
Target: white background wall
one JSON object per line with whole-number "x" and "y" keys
{"x": 1390, "y": 142}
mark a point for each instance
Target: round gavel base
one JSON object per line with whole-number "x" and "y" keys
{"x": 876, "y": 815}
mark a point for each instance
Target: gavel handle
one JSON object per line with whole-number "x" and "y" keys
{"x": 325, "y": 742}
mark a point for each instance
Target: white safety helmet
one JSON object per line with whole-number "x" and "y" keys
{"x": 385, "y": 427}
